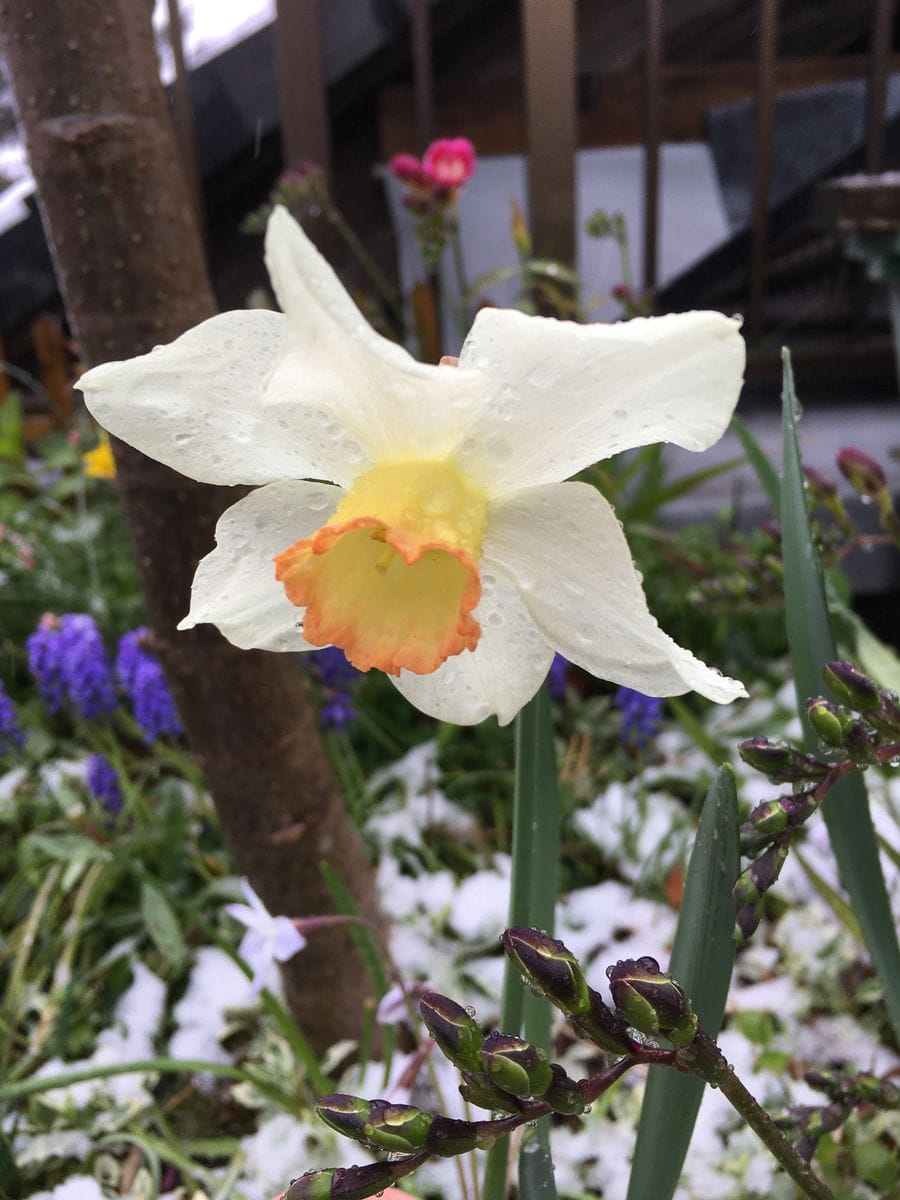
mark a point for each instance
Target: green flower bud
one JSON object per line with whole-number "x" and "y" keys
{"x": 515, "y": 1066}
{"x": 457, "y": 1035}
{"x": 827, "y": 721}
{"x": 449, "y": 1137}
{"x": 312, "y": 1185}
{"x": 479, "y": 1090}
{"x": 851, "y": 686}
{"x": 398, "y": 1128}
{"x": 770, "y": 817}
{"x": 564, "y": 1095}
{"x": 652, "y": 1001}
{"x": 781, "y": 762}
{"x": 345, "y": 1114}
{"x": 549, "y": 967}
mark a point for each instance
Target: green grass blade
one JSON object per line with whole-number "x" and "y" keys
{"x": 532, "y": 901}
{"x": 759, "y": 461}
{"x": 846, "y": 811}
{"x": 362, "y": 935}
{"x": 702, "y": 959}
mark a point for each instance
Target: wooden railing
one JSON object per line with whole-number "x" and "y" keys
{"x": 551, "y": 117}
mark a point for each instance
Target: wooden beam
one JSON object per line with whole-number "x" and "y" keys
{"x": 423, "y": 71}
{"x": 767, "y": 54}
{"x": 880, "y": 54}
{"x": 491, "y": 111}
{"x": 548, "y": 32}
{"x": 652, "y": 136}
{"x": 302, "y": 93}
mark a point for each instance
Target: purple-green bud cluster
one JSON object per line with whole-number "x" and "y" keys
{"x": 552, "y": 970}
{"x": 751, "y": 887}
{"x": 456, "y": 1033}
{"x": 378, "y": 1124}
{"x": 780, "y": 762}
{"x": 652, "y": 1001}
{"x": 396, "y": 1128}
{"x": 838, "y": 729}
{"x": 845, "y": 1092}
{"x": 515, "y": 1066}
{"x": 346, "y": 1183}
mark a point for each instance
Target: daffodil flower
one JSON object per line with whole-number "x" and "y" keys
{"x": 269, "y": 940}
{"x": 445, "y": 548}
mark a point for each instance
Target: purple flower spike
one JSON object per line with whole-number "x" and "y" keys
{"x": 557, "y": 676}
{"x": 103, "y": 782}
{"x": 86, "y": 670}
{"x": 140, "y": 675}
{"x": 641, "y": 716}
{"x": 69, "y": 663}
{"x": 337, "y": 677}
{"x": 11, "y": 735}
{"x": 43, "y": 648}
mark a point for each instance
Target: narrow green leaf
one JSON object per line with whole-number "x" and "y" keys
{"x": 162, "y": 924}
{"x": 702, "y": 959}
{"x": 765, "y": 472}
{"x": 679, "y": 487}
{"x": 835, "y": 902}
{"x": 536, "y": 1178}
{"x": 846, "y": 811}
{"x": 362, "y": 936}
{"x": 532, "y": 900}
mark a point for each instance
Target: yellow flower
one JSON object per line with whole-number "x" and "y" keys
{"x": 445, "y": 550}
{"x": 99, "y": 462}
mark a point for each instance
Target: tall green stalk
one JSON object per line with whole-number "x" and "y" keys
{"x": 532, "y": 901}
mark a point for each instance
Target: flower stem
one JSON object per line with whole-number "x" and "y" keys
{"x": 389, "y": 295}
{"x": 706, "y": 1059}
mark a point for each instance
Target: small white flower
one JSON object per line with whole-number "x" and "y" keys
{"x": 446, "y": 550}
{"x": 268, "y": 940}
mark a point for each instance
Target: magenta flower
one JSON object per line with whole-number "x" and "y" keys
{"x": 449, "y": 162}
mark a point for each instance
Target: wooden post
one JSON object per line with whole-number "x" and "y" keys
{"x": 549, "y": 50}
{"x": 423, "y": 71}
{"x": 767, "y": 53}
{"x": 652, "y": 126}
{"x": 303, "y": 98}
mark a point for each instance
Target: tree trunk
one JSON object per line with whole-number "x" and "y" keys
{"x": 130, "y": 266}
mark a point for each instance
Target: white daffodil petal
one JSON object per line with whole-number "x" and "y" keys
{"x": 564, "y": 547}
{"x": 235, "y": 586}
{"x": 504, "y": 670}
{"x": 374, "y": 401}
{"x": 557, "y": 396}
{"x": 195, "y": 405}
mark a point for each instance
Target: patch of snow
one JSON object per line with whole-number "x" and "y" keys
{"x": 217, "y": 983}
{"x": 128, "y": 1039}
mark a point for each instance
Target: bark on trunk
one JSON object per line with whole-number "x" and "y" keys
{"x": 131, "y": 268}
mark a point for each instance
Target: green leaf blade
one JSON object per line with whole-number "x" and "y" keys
{"x": 702, "y": 960}
{"x": 846, "y": 810}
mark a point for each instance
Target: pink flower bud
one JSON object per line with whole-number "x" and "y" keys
{"x": 449, "y": 162}
{"x": 861, "y": 471}
{"x": 408, "y": 169}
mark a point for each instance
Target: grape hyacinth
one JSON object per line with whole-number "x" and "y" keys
{"x": 141, "y": 676}
{"x": 11, "y": 735}
{"x": 103, "y": 782}
{"x": 45, "y": 662}
{"x": 641, "y": 716}
{"x": 557, "y": 676}
{"x": 337, "y": 677}
{"x": 69, "y": 662}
